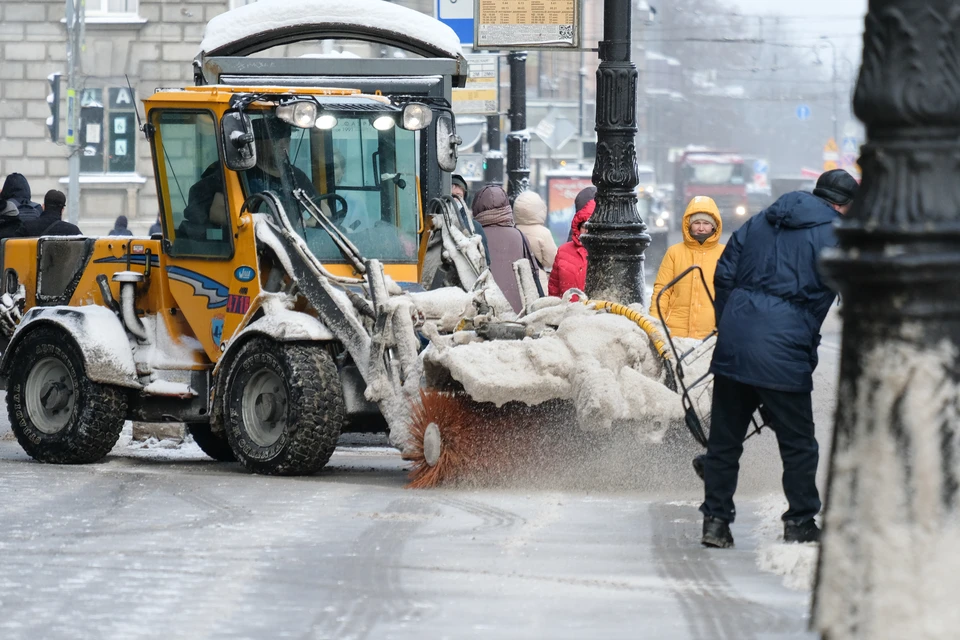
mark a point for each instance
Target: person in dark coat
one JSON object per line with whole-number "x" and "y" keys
{"x": 491, "y": 208}
{"x": 17, "y": 189}
{"x": 770, "y": 304}
{"x": 156, "y": 228}
{"x": 10, "y": 224}
{"x": 120, "y": 227}
{"x": 50, "y": 222}
{"x": 460, "y": 192}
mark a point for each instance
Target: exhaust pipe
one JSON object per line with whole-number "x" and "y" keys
{"x": 128, "y": 294}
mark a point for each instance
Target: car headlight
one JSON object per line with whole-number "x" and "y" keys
{"x": 660, "y": 222}
{"x": 741, "y": 210}
{"x": 416, "y": 116}
{"x": 301, "y": 113}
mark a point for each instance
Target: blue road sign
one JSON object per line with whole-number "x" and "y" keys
{"x": 458, "y": 15}
{"x": 760, "y": 166}
{"x": 803, "y": 112}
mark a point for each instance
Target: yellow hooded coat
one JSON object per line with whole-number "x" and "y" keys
{"x": 686, "y": 307}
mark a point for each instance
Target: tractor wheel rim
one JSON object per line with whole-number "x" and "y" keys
{"x": 265, "y": 408}
{"x": 49, "y": 395}
{"x": 432, "y": 444}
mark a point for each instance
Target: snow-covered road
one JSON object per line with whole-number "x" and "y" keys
{"x": 164, "y": 543}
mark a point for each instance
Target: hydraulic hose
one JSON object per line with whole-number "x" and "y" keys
{"x": 648, "y": 327}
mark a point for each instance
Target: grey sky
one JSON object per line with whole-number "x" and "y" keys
{"x": 840, "y": 20}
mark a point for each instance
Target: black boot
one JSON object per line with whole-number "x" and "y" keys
{"x": 805, "y": 531}
{"x": 716, "y": 533}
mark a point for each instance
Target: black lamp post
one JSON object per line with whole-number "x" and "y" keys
{"x": 890, "y": 537}
{"x": 615, "y": 236}
{"x": 518, "y": 140}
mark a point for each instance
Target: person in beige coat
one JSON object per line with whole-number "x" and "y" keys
{"x": 530, "y": 214}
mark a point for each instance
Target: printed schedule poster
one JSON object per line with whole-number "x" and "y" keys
{"x": 512, "y": 24}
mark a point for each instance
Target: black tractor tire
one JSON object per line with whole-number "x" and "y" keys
{"x": 284, "y": 407}
{"x": 56, "y": 412}
{"x": 213, "y": 443}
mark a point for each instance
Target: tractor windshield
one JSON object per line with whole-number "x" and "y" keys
{"x": 360, "y": 170}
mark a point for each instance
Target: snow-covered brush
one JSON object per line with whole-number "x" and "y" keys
{"x": 505, "y": 396}
{"x": 455, "y": 440}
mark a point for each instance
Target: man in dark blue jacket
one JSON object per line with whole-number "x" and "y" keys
{"x": 770, "y": 304}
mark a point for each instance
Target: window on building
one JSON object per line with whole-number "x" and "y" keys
{"x": 101, "y": 7}
{"x": 108, "y": 127}
{"x": 240, "y": 3}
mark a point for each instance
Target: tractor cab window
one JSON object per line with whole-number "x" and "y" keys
{"x": 196, "y": 217}
{"x": 363, "y": 178}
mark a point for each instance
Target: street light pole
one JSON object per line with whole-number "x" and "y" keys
{"x": 615, "y": 236}
{"x": 518, "y": 140}
{"x": 74, "y": 22}
{"x": 833, "y": 88}
{"x": 889, "y": 553}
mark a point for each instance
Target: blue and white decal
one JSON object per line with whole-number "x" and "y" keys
{"x": 140, "y": 260}
{"x": 215, "y": 293}
{"x": 245, "y": 274}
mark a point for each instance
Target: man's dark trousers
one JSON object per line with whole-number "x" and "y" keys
{"x": 792, "y": 421}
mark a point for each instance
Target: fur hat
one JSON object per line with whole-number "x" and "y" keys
{"x": 703, "y": 217}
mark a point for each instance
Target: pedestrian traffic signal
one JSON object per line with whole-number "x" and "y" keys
{"x": 53, "y": 101}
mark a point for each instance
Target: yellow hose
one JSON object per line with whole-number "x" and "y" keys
{"x": 651, "y": 330}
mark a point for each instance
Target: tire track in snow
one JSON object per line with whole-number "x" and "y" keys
{"x": 713, "y": 610}
{"x": 372, "y": 592}
{"x": 491, "y": 518}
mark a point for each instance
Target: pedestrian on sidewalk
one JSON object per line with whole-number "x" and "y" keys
{"x": 50, "y": 222}
{"x": 570, "y": 266}
{"x": 10, "y": 224}
{"x": 770, "y": 304}
{"x": 687, "y": 310}
{"x": 460, "y": 192}
{"x": 120, "y": 227}
{"x": 530, "y": 212}
{"x": 16, "y": 189}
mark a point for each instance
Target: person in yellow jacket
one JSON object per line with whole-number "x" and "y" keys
{"x": 686, "y": 307}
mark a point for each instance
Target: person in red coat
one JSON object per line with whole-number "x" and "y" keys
{"x": 570, "y": 265}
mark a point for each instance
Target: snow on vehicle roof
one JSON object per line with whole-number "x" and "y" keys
{"x": 714, "y": 158}
{"x": 266, "y": 16}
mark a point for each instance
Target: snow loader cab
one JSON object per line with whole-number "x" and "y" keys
{"x": 351, "y": 157}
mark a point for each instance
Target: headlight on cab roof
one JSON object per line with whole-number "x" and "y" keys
{"x": 416, "y": 116}
{"x": 300, "y": 113}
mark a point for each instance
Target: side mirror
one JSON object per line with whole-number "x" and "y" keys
{"x": 447, "y": 143}
{"x": 239, "y": 152}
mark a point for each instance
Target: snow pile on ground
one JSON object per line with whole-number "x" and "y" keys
{"x": 153, "y": 448}
{"x": 797, "y": 563}
{"x": 604, "y": 363}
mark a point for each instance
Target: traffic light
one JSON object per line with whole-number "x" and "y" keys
{"x": 53, "y": 101}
